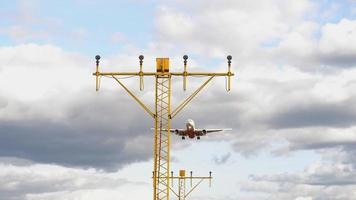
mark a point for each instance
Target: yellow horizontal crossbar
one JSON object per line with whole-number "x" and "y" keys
{"x": 159, "y": 73}
{"x": 189, "y": 177}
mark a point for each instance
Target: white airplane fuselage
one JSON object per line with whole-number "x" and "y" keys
{"x": 190, "y": 128}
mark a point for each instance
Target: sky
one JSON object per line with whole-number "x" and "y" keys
{"x": 291, "y": 107}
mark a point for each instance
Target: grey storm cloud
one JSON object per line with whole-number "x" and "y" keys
{"x": 340, "y": 114}
{"x": 96, "y": 132}
{"x": 337, "y": 60}
{"x": 350, "y": 155}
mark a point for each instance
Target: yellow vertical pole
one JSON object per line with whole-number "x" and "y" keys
{"x": 162, "y": 133}
{"x": 168, "y": 134}
{"x": 155, "y": 148}
{"x": 185, "y": 57}
{"x": 229, "y": 72}
{"x": 141, "y": 72}
{"x": 181, "y": 186}
{"x": 97, "y": 58}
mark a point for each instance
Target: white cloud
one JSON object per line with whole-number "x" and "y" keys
{"x": 304, "y": 198}
{"x": 318, "y": 181}
{"x": 227, "y": 26}
{"x": 54, "y": 182}
{"x": 339, "y": 37}
{"x": 33, "y": 72}
{"x": 336, "y": 42}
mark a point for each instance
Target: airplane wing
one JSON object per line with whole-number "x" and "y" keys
{"x": 201, "y": 132}
{"x": 181, "y": 132}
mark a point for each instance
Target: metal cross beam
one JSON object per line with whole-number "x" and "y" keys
{"x": 182, "y": 178}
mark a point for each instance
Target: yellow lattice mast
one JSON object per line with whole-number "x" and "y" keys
{"x": 163, "y": 113}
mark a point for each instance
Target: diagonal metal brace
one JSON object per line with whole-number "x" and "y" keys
{"x": 133, "y": 96}
{"x": 174, "y": 192}
{"x": 187, "y": 100}
{"x": 194, "y": 188}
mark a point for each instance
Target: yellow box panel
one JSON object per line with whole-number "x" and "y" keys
{"x": 162, "y": 64}
{"x": 182, "y": 173}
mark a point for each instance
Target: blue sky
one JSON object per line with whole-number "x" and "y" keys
{"x": 291, "y": 107}
{"x": 98, "y": 21}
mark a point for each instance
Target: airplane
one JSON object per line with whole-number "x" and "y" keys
{"x": 192, "y": 132}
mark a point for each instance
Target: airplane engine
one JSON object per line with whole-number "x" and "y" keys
{"x": 176, "y": 131}
{"x": 204, "y": 131}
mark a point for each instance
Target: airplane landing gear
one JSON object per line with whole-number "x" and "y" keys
{"x": 198, "y": 138}
{"x": 183, "y": 138}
